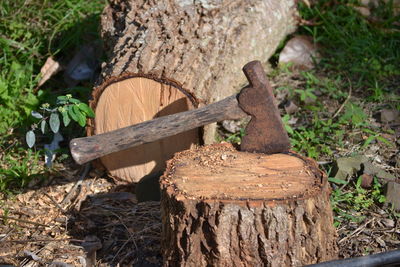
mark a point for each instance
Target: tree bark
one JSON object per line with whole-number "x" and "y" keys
{"x": 221, "y": 207}
{"x": 200, "y": 46}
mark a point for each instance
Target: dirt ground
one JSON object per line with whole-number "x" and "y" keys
{"x": 77, "y": 219}
{"x": 80, "y": 218}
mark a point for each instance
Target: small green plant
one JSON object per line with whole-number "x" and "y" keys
{"x": 305, "y": 94}
{"x": 18, "y": 168}
{"x": 319, "y": 137}
{"x": 236, "y": 138}
{"x": 375, "y": 136}
{"x": 68, "y": 107}
{"x": 353, "y": 115}
{"x": 350, "y": 203}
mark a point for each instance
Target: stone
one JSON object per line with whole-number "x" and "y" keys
{"x": 389, "y": 115}
{"x": 348, "y": 166}
{"x": 393, "y": 195}
{"x": 371, "y": 169}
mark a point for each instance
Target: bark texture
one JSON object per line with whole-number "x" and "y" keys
{"x": 201, "y": 44}
{"x": 285, "y": 227}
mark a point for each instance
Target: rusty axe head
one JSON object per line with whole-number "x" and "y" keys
{"x": 265, "y": 132}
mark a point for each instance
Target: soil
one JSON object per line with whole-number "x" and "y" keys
{"x": 42, "y": 227}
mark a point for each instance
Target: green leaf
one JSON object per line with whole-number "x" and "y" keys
{"x": 86, "y": 109}
{"x": 36, "y": 115}
{"x": 385, "y": 141}
{"x": 54, "y": 122}
{"x": 368, "y": 141}
{"x": 337, "y": 181}
{"x": 62, "y": 98}
{"x": 80, "y": 117}
{"x": 43, "y": 126}
{"x": 66, "y": 118}
{"x": 288, "y": 128}
{"x": 30, "y": 138}
{"x": 74, "y": 100}
{"x": 71, "y": 113}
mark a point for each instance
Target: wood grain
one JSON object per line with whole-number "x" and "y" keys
{"x": 131, "y": 101}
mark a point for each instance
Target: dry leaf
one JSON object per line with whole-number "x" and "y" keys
{"x": 300, "y": 51}
{"x": 50, "y": 68}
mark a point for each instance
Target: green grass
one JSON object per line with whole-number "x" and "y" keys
{"x": 30, "y": 32}
{"x": 358, "y": 53}
{"x": 366, "y": 50}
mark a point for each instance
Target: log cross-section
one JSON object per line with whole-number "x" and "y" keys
{"x": 131, "y": 99}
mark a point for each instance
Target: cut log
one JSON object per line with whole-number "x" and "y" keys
{"x": 201, "y": 44}
{"x": 222, "y": 207}
{"x": 130, "y": 100}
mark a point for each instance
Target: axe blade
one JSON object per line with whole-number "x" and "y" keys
{"x": 265, "y": 132}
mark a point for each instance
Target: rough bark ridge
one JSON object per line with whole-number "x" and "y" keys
{"x": 226, "y": 234}
{"x": 206, "y": 231}
{"x": 202, "y": 44}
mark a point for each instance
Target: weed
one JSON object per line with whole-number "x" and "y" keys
{"x": 18, "y": 168}
{"x": 347, "y": 204}
{"x": 322, "y": 136}
{"x": 353, "y": 116}
{"x": 68, "y": 107}
{"x": 236, "y": 138}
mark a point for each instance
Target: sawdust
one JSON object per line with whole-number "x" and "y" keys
{"x": 39, "y": 228}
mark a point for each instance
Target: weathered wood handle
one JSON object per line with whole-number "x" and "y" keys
{"x": 86, "y": 149}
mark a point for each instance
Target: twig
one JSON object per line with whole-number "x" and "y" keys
{"x": 131, "y": 237}
{"x": 7, "y": 235}
{"x": 78, "y": 183}
{"x": 22, "y": 241}
{"x": 55, "y": 202}
{"x": 22, "y": 220}
{"x": 356, "y": 231}
{"x": 345, "y": 102}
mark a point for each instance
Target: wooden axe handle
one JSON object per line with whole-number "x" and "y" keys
{"x": 86, "y": 149}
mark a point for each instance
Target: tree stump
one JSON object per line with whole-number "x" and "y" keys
{"x": 202, "y": 45}
{"x": 222, "y": 207}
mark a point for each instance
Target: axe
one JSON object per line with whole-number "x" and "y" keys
{"x": 264, "y": 133}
